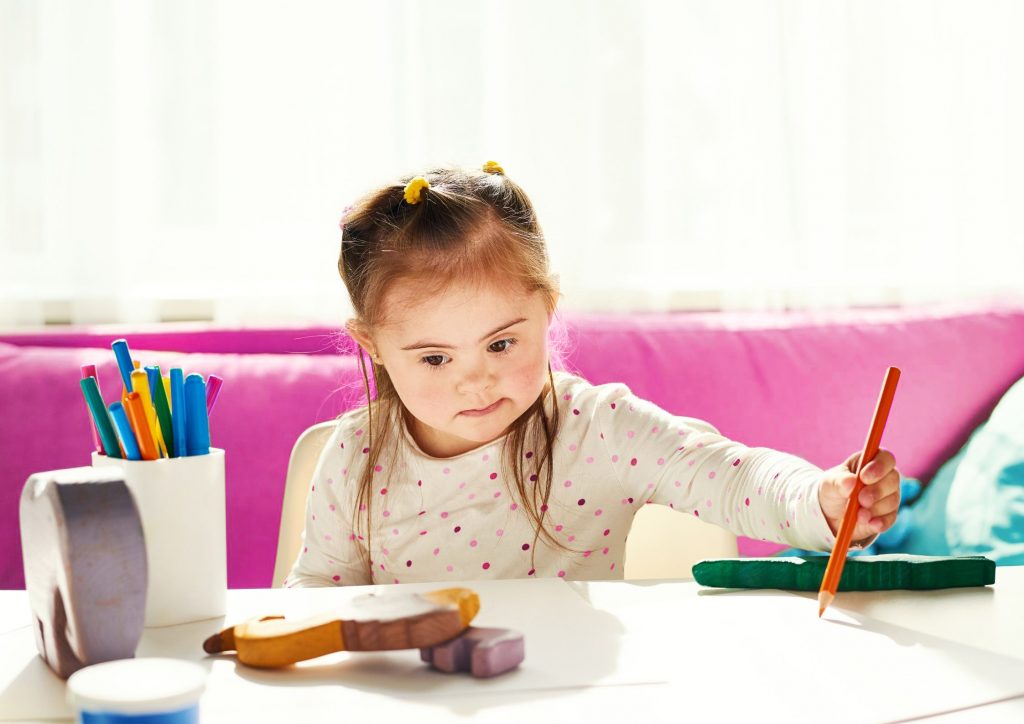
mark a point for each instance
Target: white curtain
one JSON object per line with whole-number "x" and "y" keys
{"x": 189, "y": 159}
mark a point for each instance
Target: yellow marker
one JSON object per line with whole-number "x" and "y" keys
{"x": 124, "y": 390}
{"x": 140, "y": 383}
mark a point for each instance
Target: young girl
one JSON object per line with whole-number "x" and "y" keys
{"x": 474, "y": 459}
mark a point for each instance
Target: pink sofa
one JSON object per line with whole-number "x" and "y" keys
{"x": 801, "y": 382}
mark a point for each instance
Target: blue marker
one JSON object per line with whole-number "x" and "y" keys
{"x": 124, "y": 362}
{"x": 179, "y": 413}
{"x": 124, "y": 431}
{"x": 196, "y": 420}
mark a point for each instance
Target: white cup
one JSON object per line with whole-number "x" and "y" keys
{"x": 150, "y": 691}
{"x": 181, "y": 504}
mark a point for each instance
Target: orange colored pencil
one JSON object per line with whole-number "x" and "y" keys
{"x": 137, "y": 418}
{"x": 837, "y": 559}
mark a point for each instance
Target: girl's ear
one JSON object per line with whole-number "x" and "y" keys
{"x": 357, "y": 330}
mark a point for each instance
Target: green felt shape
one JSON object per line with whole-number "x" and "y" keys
{"x": 864, "y": 573}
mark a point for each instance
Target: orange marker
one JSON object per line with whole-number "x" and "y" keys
{"x": 137, "y": 418}
{"x": 837, "y": 559}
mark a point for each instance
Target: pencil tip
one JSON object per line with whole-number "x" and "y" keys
{"x": 824, "y": 599}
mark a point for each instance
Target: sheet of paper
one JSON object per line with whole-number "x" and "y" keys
{"x": 569, "y": 645}
{"x": 766, "y": 654}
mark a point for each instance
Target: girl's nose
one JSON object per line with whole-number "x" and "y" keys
{"x": 478, "y": 378}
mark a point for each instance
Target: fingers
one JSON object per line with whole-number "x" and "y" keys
{"x": 878, "y": 467}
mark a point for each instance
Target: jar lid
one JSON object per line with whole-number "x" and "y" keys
{"x": 137, "y": 686}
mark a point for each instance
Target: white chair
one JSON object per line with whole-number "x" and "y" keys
{"x": 663, "y": 543}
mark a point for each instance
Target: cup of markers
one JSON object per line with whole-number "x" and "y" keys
{"x": 158, "y": 435}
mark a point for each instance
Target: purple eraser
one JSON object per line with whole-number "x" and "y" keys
{"x": 484, "y": 652}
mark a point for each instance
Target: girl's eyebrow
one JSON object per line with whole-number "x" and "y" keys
{"x": 424, "y": 344}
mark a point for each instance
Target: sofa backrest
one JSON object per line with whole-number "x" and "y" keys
{"x": 805, "y": 383}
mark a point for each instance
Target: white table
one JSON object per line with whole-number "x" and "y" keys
{"x": 611, "y": 651}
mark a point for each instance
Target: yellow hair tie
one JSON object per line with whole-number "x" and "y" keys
{"x": 414, "y": 188}
{"x": 493, "y": 167}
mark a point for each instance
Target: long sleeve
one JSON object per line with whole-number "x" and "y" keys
{"x": 330, "y": 554}
{"x": 687, "y": 465}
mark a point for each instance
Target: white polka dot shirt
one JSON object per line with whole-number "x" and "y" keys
{"x": 456, "y": 519}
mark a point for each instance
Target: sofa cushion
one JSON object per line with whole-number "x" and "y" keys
{"x": 269, "y": 400}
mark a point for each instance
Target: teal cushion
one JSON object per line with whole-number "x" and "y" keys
{"x": 985, "y": 508}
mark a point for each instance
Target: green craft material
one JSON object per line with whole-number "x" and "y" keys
{"x": 862, "y": 573}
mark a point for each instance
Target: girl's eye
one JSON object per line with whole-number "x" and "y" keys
{"x": 502, "y": 345}
{"x": 433, "y": 360}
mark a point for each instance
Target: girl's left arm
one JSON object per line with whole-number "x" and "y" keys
{"x": 687, "y": 465}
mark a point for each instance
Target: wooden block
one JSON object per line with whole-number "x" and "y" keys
{"x": 860, "y": 573}
{"x": 85, "y": 566}
{"x": 484, "y": 652}
{"x": 368, "y": 623}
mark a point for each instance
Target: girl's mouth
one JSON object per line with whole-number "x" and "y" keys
{"x": 485, "y": 411}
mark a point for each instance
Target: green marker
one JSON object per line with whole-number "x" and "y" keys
{"x": 108, "y": 437}
{"x": 163, "y": 411}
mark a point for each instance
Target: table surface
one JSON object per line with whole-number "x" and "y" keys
{"x": 611, "y": 650}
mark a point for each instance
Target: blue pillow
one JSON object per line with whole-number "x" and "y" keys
{"x": 985, "y": 508}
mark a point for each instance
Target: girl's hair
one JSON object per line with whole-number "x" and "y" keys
{"x": 475, "y": 226}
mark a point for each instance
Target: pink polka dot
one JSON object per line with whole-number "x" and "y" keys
{"x": 472, "y": 543}
{"x": 436, "y": 551}
{"x": 335, "y": 578}
{"x": 712, "y": 475}
{"x": 444, "y": 514}
{"x": 514, "y": 506}
{"x": 567, "y": 483}
{"x": 590, "y": 458}
{"x": 654, "y": 431}
{"x": 567, "y": 396}
{"x": 486, "y": 565}
{"x": 497, "y": 494}
{"x": 457, "y": 528}
{"x": 613, "y": 405}
{"x": 736, "y": 462}
{"x": 330, "y": 481}
{"x": 500, "y": 532}
{"x": 586, "y": 554}
{"x": 394, "y": 531}
{"x": 678, "y": 484}
{"x": 707, "y": 503}
{"x": 598, "y": 512}
{"x": 327, "y": 536}
{"x": 531, "y": 571}
{"x": 533, "y": 478}
{"x": 362, "y": 507}
{"x": 571, "y": 538}
{"x": 423, "y": 532}
{"x": 383, "y": 491}
{"x": 696, "y": 513}
{"x": 544, "y": 508}
{"x": 558, "y": 528}
{"x": 581, "y": 501}
{"x": 661, "y": 461}
{"x": 607, "y": 531}
{"x": 359, "y": 432}
{"x": 408, "y": 564}
{"x": 331, "y": 507}
{"x": 486, "y": 457}
{"x": 575, "y": 411}
{"x": 461, "y": 486}
{"x": 386, "y": 513}
{"x": 747, "y": 502}
{"x": 604, "y": 551}
{"x": 529, "y": 454}
{"x": 494, "y": 476}
{"x": 572, "y": 448}
{"x": 526, "y": 546}
{"x": 377, "y": 468}
{"x": 561, "y": 574}
{"x": 612, "y": 567}
{"x": 692, "y": 461}
{"x": 633, "y": 462}
{"x": 615, "y": 458}
{"x": 446, "y": 470}
{"x": 472, "y": 495}
{"x": 366, "y": 450}
{"x": 449, "y": 568}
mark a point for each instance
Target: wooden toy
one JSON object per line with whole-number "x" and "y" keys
{"x": 369, "y": 622}
{"x": 484, "y": 652}
{"x": 85, "y": 566}
{"x": 861, "y": 573}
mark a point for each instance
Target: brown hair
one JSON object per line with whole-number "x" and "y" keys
{"x": 466, "y": 226}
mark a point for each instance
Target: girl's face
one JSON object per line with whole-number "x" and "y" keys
{"x": 466, "y": 362}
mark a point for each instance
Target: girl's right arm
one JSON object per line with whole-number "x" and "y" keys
{"x": 331, "y": 552}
